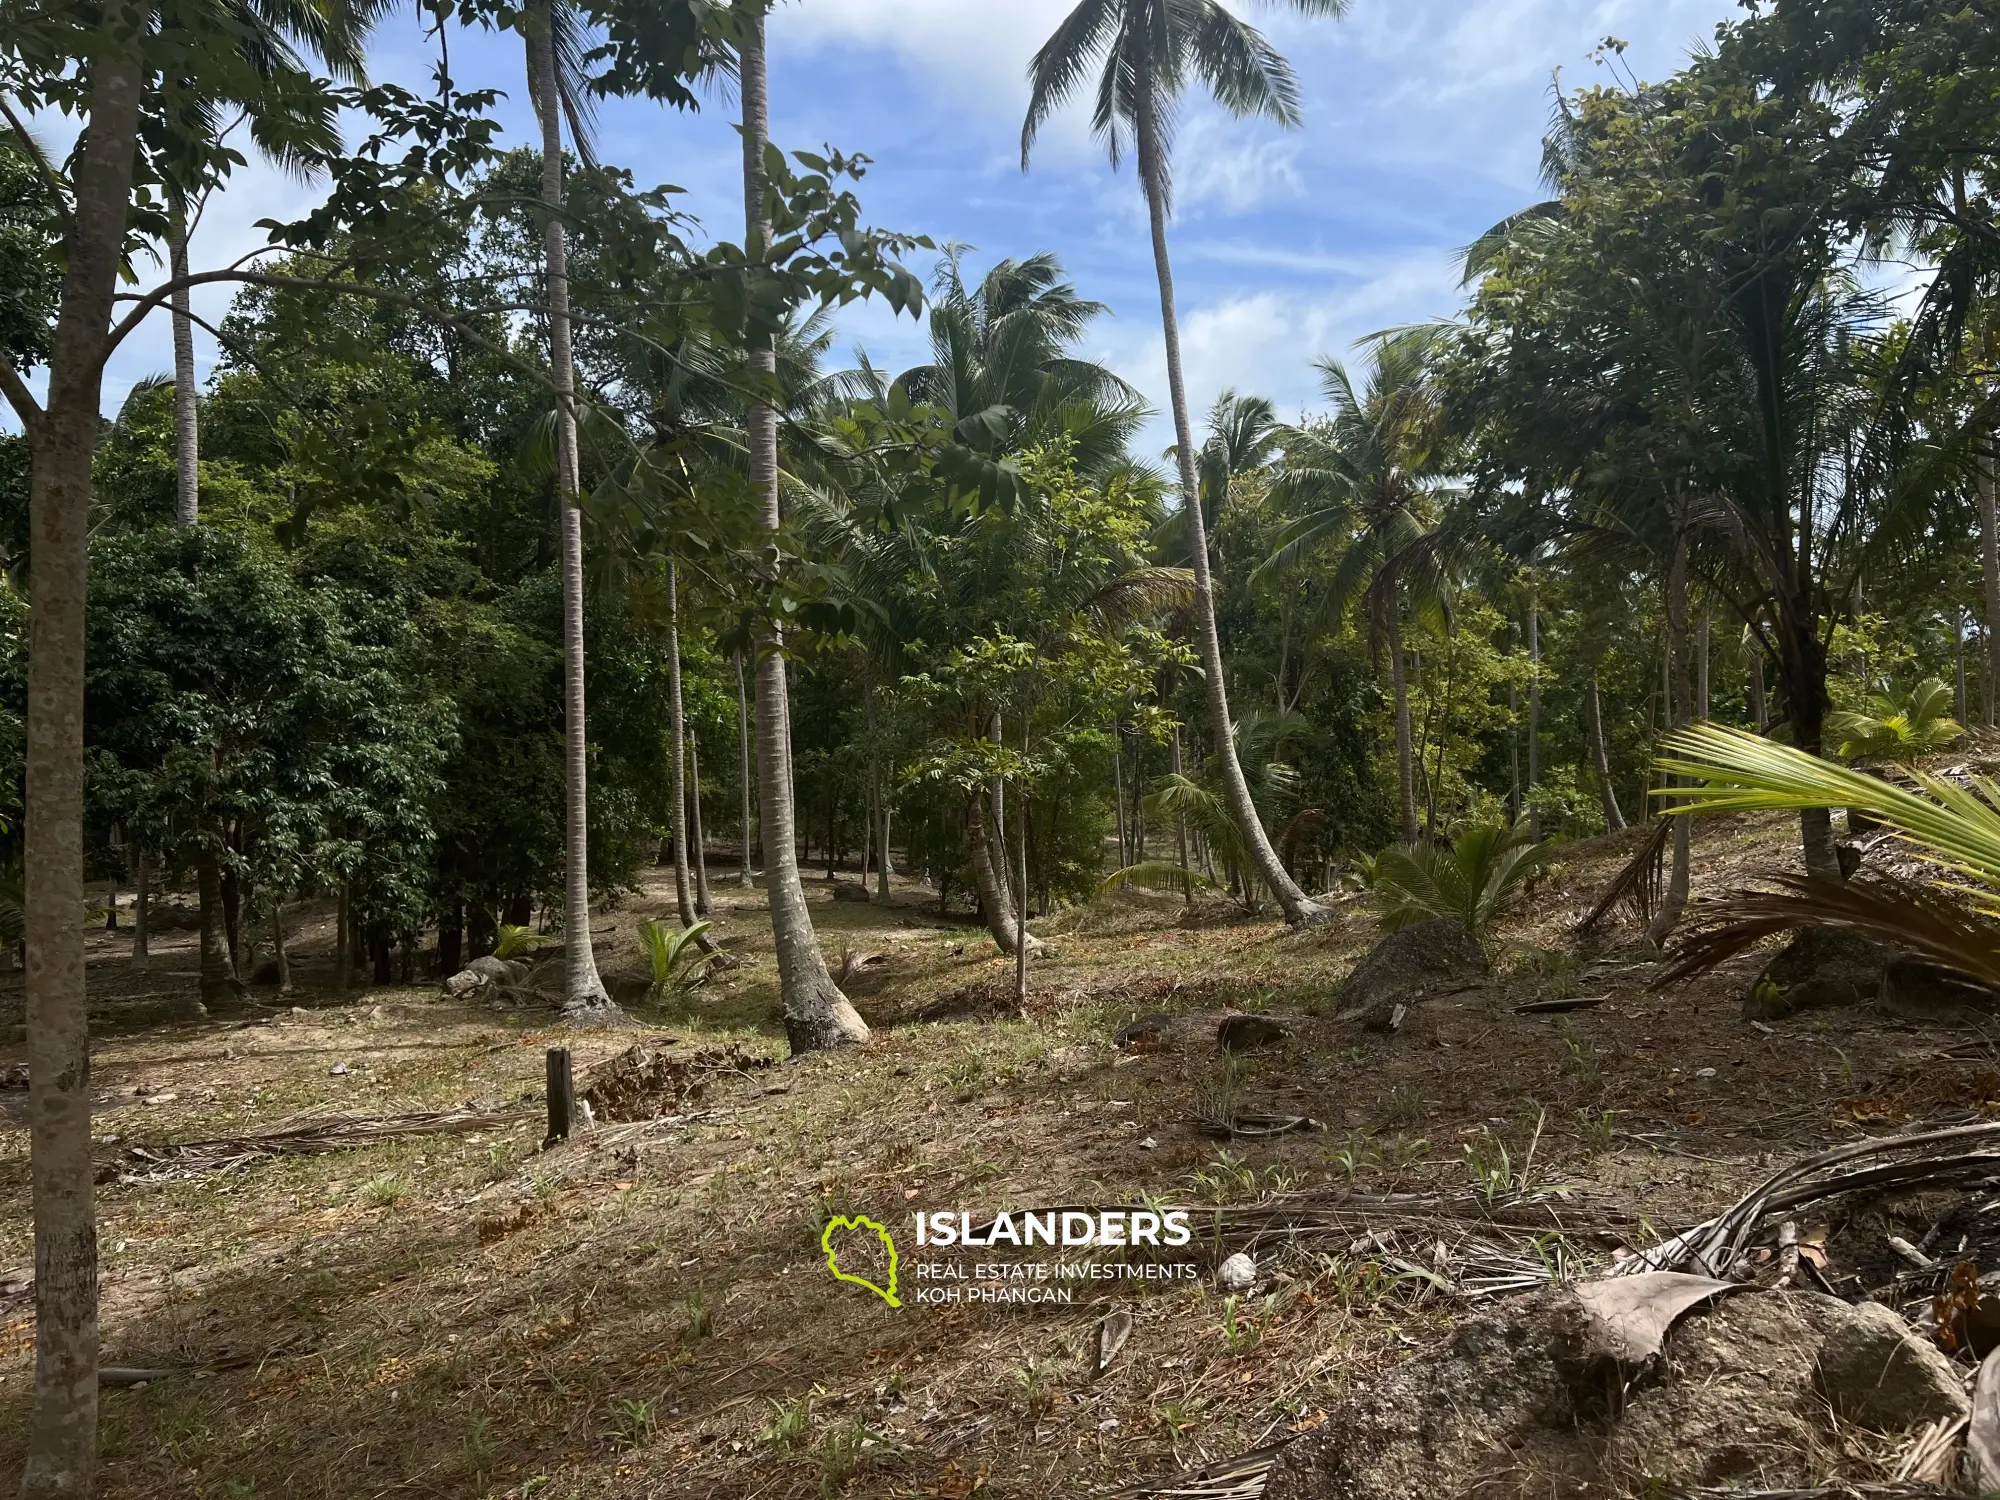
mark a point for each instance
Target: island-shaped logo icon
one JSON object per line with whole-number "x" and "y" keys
{"x": 864, "y": 1225}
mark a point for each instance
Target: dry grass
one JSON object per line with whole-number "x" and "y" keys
{"x": 644, "y": 1311}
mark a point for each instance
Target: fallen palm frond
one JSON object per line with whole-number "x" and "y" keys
{"x": 1917, "y": 921}
{"x": 1244, "y": 1477}
{"x": 1712, "y": 1248}
{"x": 335, "y": 1133}
{"x": 1639, "y": 884}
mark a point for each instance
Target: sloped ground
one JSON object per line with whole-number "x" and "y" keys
{"x": 646, "y": 1310}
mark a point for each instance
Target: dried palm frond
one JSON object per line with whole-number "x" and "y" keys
{"x": 1920, "y": 922}
{"x": 1639, "y": 885}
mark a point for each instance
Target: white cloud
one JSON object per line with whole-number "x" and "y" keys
{"x": 1263, "y": 341}
{"x": 1223, "y": 162}
{"x": 983, "y": 43}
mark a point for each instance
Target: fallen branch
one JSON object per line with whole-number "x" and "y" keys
{"x": 335, "y": 1133}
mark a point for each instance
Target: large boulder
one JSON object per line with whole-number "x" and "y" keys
{"x": 1920, "y": 991}
{"x": 1433, "y": 957}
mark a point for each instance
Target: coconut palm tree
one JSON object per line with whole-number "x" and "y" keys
{"x": 1145, "y": 52}
{"x": 817, "y": 1014}
{"x": 1365, "y": 479}
{"x": 551, "y": 37}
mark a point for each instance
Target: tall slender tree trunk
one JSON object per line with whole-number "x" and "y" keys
{"x": 278, "y": 945}
{"x": 1600, "y": 754}
{"x": 1701, "y": 664}
{"x": 187, "y": 409}
{"x": 1118, "y": 791}
{"x": 219, "y": 986}
{"x": 743, "y": 737}
{"x": 1299, "y": 910}
{"x": 1989, "y": 557}
{"x": 1760, "y": 707}
{"x": 1534, "y": 713}
{"x": 1023, "y": 940}
{"x": 1958, "y": 661}
{"x": 1399, "y": 689}
{"x": 343, "y": 943}
{"x": 1680, "y": 701}
{"x": 878, "y": 797}
{"x": 817, "y": 1014}
{"x": 62, "y": 436}
{"x": 1181, "y": 829}
{"x": 677, "y": 730}
{"x": 704, "y": 901}
{"x": 584, "y": 996}
{"x": 142, "y": 911}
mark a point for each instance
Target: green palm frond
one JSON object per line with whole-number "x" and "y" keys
{"x": 1894, "y": 729}
{"x": 675, "y": 955}
{"x": 1959, "y": 826}
{"x": 1162, "y": 875}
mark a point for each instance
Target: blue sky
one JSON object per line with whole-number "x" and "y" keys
{"x": 1423, "y": 127}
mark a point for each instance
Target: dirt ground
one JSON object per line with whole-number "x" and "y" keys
{"x": 646, "y": 1310}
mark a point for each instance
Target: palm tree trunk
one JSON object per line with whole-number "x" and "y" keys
{"x": 1534, "y": 713}
{"x": 1701, "y": 665}
{"x": 994, "y": 901}
{"x": 1118, "y": 791}
{"x": 1958, "y": 661}
{"x": 743, "y": 739}
{"x": 62, "y": 1439}
{"x": 1680, "y": 701}
{"x": 1399, "y": 687}
{"x": 817, "y": 1014}
{"x": 584, "y": 995}
{"x": 704, "y": 902}
{"x": 1023, "y": 940}
{"x": 1600, "y": 754}
{"x": 677, "y": 731}
{"x": 187, "y": 411}
{"x": 1989, "y": 557}
{"x": 879, "y": 823}
{"x": 1181, "y": 830}
{"x": 1299, "y": 910}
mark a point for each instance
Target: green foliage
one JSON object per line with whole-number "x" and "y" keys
{"x": 675, "y": 955}
{"x": 1896, "y": 729}
{"x": 1470, "y": 883}
{"x": 512, "y": 941}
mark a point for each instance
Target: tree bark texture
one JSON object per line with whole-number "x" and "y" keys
{"x": 1600, "y": 754}
{"x": 817, "y": 1014}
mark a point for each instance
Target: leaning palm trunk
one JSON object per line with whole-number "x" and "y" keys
{"x": 817, "y": 1014}
{"x": 584, "y": 995}
{"x": 1534, "y": 714}
{"x": 1299, "y": 911}
{"x": 1679, "y": 695}
{"x": 1600, "y": 754}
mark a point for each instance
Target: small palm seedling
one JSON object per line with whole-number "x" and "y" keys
{"x": 1469, "y": 883}
{"x": 675, "y": 956}
{"x": 515, "y": 942}
{"x": 791, "y": 1422}
{"x": 1894, "y": 729}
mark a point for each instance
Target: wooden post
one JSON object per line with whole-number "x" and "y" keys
{"x": 562, "y": 1096}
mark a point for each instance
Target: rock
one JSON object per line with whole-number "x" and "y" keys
{"x": 484, "y": 973}
{"x": 1529, "y": 1399}
{"x": 1431, "y": 957}
{"x": 1923, "y": 992}
{"x": 266, "y": 972}
{"x": 1246, "y": 1033}
{"x": 1236, "y": 1274}
{"x": 1146, "y": 1034}
{"x": 1875, "y": 1372}
{"x": 847, "y": 890}
{"x": 1820, "y": 967}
